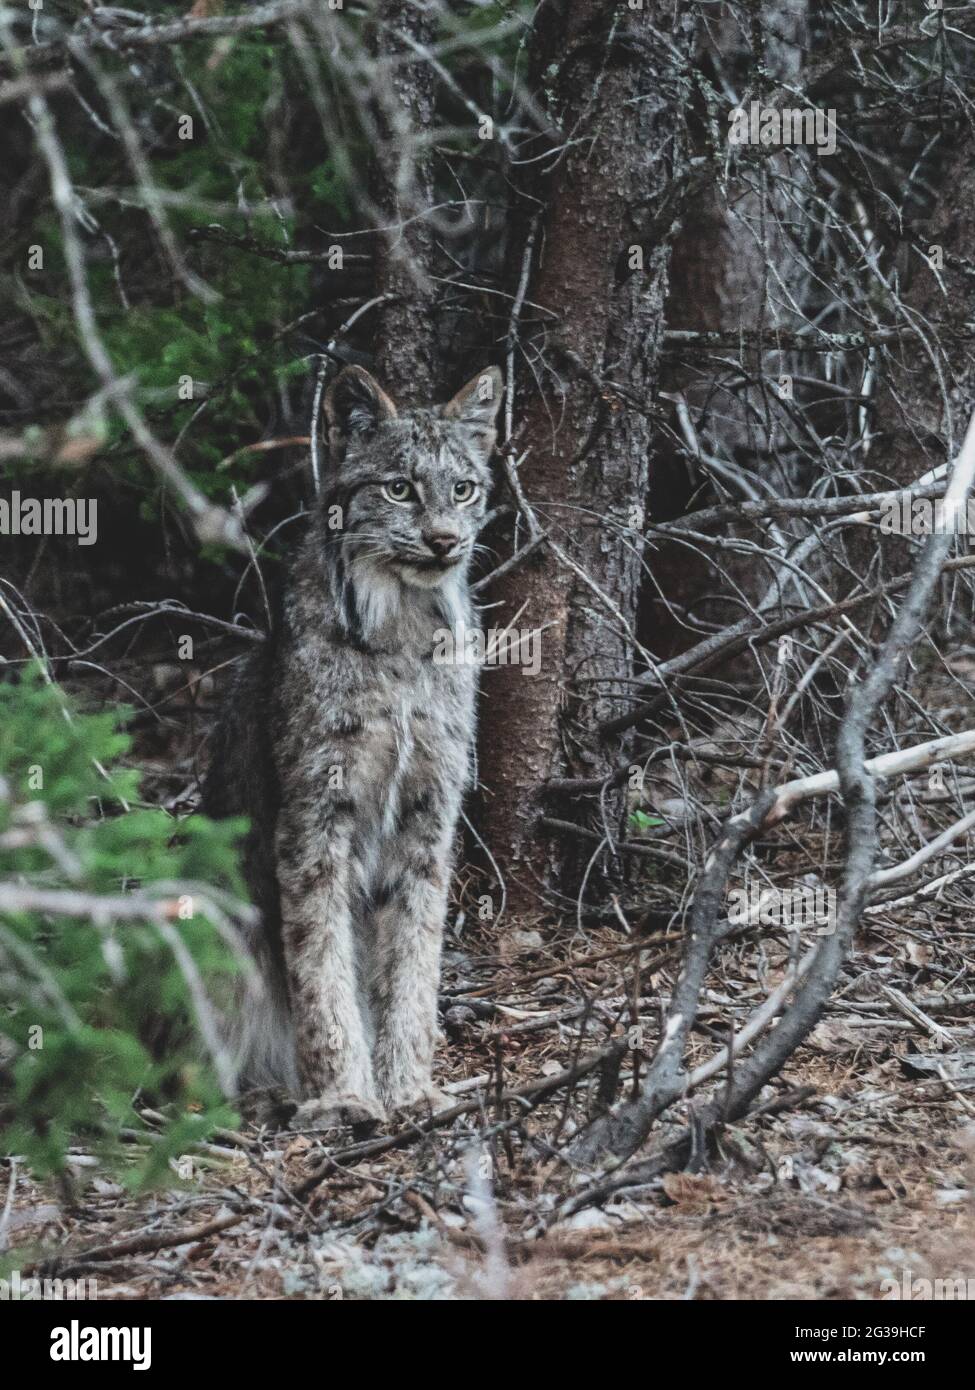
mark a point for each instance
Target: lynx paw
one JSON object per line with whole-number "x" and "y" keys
{"x": 422, "y": 1098}
{"x": 335, "y": 1109}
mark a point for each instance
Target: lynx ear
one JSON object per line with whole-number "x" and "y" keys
{"x": 355, "y": 405}
{"x": 476, "y": 407}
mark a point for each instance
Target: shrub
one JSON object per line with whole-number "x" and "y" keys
{"x": 116, "y": 944}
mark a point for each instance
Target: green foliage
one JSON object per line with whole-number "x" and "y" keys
{"x": 228, "y": 168}
{"x": 639, "y": 820}
{"x": 94, "y": 1006}
{"x": 239, "y": 132}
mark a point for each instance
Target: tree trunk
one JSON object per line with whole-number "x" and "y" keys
{"x": 589, "y": 432}
{"x": 927, "y": 382}
{"x": 928, "y": 396}
{"x": 407, "y": 355}
{"x": 731, "y": 247}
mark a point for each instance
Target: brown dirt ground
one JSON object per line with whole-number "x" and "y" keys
{"x": 869, "y": 1178}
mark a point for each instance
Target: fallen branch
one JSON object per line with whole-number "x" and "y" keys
{"x": 532, "y": 1090}
{"x": 904, "y": 760}
{"x": 615, "y": 1137}
{"x": 143, "y": 1243}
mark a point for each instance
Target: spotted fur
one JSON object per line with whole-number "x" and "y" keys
{"x": 350, "y": 748}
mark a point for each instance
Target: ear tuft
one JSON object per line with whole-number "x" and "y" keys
{"x": 476, "y": 407}
{"x": 355, "y": 406}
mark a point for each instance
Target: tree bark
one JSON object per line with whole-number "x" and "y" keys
{"x": 928, "y": 395}
{"x": 407, "y": 355}
{"x": 926, "y": 382}
{"x": 719, "y": 282}
{"x": 588, "y": 434}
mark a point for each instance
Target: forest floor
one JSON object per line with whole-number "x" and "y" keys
{"x": 854, "y": 1176}
{"x": 858, "y": 1173}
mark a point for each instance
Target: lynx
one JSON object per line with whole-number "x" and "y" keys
{"x": 349, "y": 748}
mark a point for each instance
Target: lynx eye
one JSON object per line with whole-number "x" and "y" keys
{"x": 465, "y": 492}
{"x": 399, "y": 491}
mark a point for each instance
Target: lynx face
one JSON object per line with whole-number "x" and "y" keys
{"x": 413, "y": 487}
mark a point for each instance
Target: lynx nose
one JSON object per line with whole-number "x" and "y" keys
{"x": 441, "y": 543}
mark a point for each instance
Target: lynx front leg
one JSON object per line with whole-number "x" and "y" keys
{"x": 319, "y": 946}
{"x": 409, "y": 928}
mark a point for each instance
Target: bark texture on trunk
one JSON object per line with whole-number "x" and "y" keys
{"x": 589, "y": 430}
{"x": 925, "y": 391}
{"x": 736, "y": 245}
{"x": 407, "y": 355}
{"x": 929, "y": 388}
